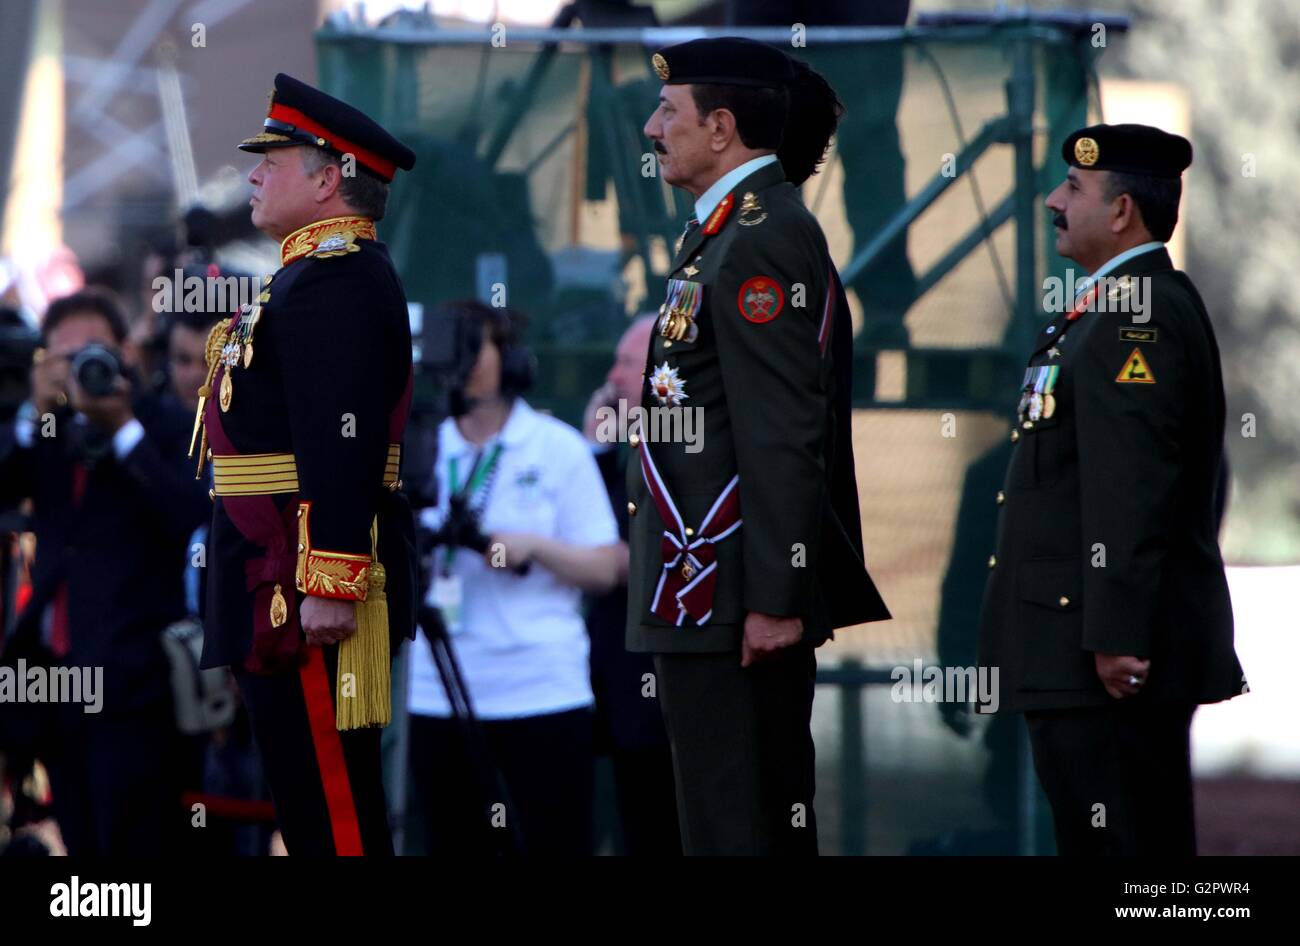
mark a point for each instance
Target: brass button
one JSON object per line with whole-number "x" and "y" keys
{"x": 668, "y": 343}
{"x": 212, "y": 494}
{"x": 209, "y": 454}
{"x": 1002, "y": 497}
{"x": 634, "y": 440}
{"x": 631, "y": 509}
{"x": 299, "y": 512}
{"x": 1015, "y": 435}
{"x": 301, "y": 547}
{"x": 689, "y": 532}
{"x": 1028, "y": 425}
{"x": 1065, "y": 602}
{"x": 993, "y": 561}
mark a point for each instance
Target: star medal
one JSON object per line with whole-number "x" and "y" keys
{"x": 667, "y": 386}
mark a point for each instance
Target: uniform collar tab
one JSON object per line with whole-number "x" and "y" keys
{"x": 1114, "y": 263}
{"x": 306, "y": 239}
{"x": 709, "y": 200}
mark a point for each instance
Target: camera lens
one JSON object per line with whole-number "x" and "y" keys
{"x": 97, "y": 369}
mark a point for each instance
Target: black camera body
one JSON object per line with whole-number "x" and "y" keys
{"x": 460, "y": 528}
{"x": 97, "y": 368}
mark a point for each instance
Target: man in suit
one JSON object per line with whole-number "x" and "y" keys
{"x": 746, "y": 547}
{"x": 114, "y": 505}
{"x": 1106, "y": 611}
{"x": 305, "y": 404}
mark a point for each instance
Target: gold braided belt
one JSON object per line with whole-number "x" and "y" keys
{"x": 264, "y": 474}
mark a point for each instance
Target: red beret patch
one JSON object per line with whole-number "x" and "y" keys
{"x": 760, "y": 299}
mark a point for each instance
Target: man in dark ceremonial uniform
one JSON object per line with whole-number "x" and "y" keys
{"x": 746, "y": 553}
{"x": 1107, "y": 612}
{"x": 303, "y": 413}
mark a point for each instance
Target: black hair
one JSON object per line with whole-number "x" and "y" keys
{"x": 815, "y": 112}
{"x": 760, "y": 111}
{"x": 1156, "y": 198}
{"x": 505, "y": 326}
{"x": 93, "y": 300}
{"x": 365, "y": 192}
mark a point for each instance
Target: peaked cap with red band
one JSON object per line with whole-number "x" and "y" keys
{"x": 302, "y": 115}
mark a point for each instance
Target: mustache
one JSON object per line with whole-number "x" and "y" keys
{"x": 1058, "y": 220}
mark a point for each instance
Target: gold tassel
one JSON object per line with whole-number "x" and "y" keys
{"x": 363, "y": 697}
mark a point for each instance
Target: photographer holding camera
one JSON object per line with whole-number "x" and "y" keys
{"x": 113, "y": 504}
{"x": 521, "y": 488}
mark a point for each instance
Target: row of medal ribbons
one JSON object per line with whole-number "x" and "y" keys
{"x": 1037, "y": 401}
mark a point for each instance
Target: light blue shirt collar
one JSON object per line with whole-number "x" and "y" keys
{"x": 1086, "y": 282}
{"x": 724, "y": 185}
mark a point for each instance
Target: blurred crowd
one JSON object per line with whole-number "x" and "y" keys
{"x": 104, "y": 525}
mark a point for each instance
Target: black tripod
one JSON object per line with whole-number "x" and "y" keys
{"x": 491, "y": 782}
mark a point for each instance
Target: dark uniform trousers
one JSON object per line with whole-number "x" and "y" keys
{"x": 743, "y": 766}
{"x": 327, "y": 785}
{"x": 1133, "y": 759}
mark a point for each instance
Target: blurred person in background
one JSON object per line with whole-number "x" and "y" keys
{"x": 629, "y": 722}
{"x": 114, "y": 503}
{"x": 520, "y": 639}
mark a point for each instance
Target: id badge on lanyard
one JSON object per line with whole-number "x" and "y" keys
{"x": 448, "y": 593}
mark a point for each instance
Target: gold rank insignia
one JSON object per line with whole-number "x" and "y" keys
{"x": 751, "y": 212}
{"x": 1086, "y": 151}
{"x": 1123, "y": 286}
{"x": 660, "y": 66}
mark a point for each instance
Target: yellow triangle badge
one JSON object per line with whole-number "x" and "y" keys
{"x": 1135, "y": 370}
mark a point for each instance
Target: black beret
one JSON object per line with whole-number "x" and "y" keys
{"x": 1131, "y": 149}
{"x": 302, "y": 115}
{"x": 727, "y": 60}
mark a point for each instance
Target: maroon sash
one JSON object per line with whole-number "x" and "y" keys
{"x": 275, "y": 531}
{"x": 690, "y": 568}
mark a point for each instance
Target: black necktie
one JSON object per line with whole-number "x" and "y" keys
{"x": 691, "y": 226}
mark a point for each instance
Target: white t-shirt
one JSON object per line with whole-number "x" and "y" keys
{"x": 521, "y": 641}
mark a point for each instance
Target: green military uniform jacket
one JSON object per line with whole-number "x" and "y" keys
{"x": 765, "y": 360}
{"x": 1108, "y": 529}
